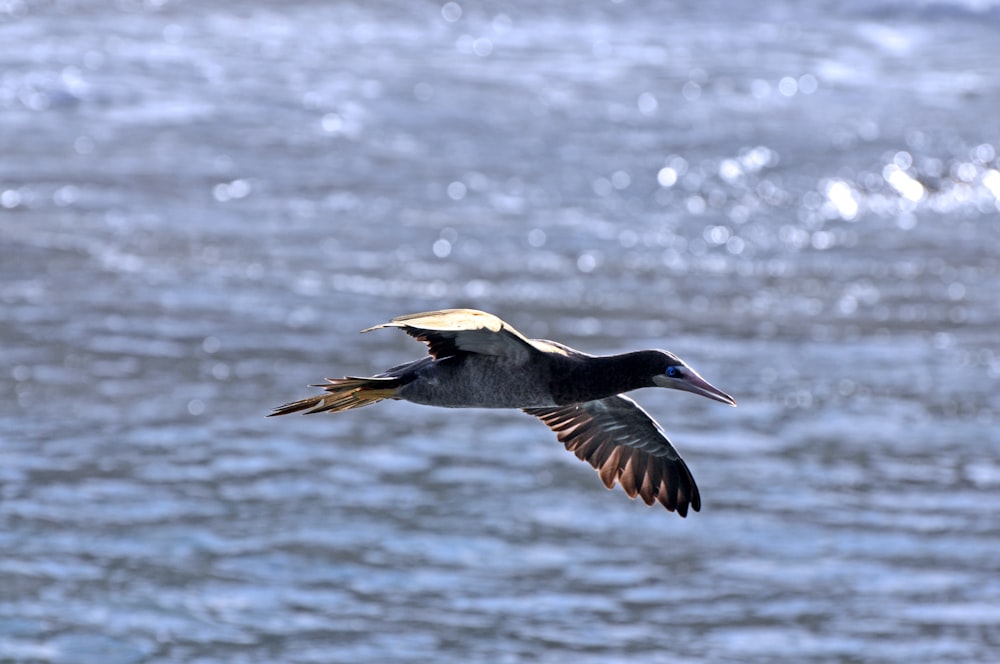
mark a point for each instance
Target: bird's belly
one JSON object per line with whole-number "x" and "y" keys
{"x": 476, "y": 385}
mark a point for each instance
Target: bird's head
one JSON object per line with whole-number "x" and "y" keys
{"x": 678, "y": 376}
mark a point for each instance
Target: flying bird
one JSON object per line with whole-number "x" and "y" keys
{"x": 477, "y": 360}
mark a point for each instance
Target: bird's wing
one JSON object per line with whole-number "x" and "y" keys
{"x": 624, "y": 444}
{"x": 452, "y": 331}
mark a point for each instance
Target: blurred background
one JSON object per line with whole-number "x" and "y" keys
{"x": 202, "y": 203}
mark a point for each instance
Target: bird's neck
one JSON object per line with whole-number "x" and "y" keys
{"x": 606, "y": 375}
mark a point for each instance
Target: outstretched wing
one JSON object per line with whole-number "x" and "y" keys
{"x": 452, "y": 331}
{"x": 624, "y": 444}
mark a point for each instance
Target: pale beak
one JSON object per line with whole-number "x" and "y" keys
{"x": 690, "y": 381}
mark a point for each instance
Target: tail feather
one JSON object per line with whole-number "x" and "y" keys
{"x": 343, "y": 394}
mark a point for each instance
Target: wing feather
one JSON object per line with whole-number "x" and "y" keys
{"x": 625, "y": 445}
{"x": 609, "y": 471}
{"x": 450, "y": 332}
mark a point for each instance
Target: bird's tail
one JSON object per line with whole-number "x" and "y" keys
{"x": 344, "y": 394}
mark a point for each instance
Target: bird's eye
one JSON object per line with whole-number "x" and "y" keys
{"x": 673, "y": 372}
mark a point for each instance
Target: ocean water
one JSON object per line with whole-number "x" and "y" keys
{"x": 202, "y": 203}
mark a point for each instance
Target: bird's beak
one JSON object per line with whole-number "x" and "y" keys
{"x": 690, "y": 381}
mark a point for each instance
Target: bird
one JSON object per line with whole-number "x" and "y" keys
{"x": 476, "y": 360}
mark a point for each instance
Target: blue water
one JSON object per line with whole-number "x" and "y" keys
{"x": 201, "y": 205}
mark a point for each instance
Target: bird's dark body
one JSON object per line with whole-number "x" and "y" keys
{"x": 474, "y": 381}
{"x": 547, "y": 379}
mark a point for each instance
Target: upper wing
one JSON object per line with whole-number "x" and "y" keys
{"x": 451, "y": 331}
{"x": 625, "y": 444}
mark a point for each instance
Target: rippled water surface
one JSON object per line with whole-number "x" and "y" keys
{"x": 201, "y": 204}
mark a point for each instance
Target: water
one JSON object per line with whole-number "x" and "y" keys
{"x": 202, "y": 205}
